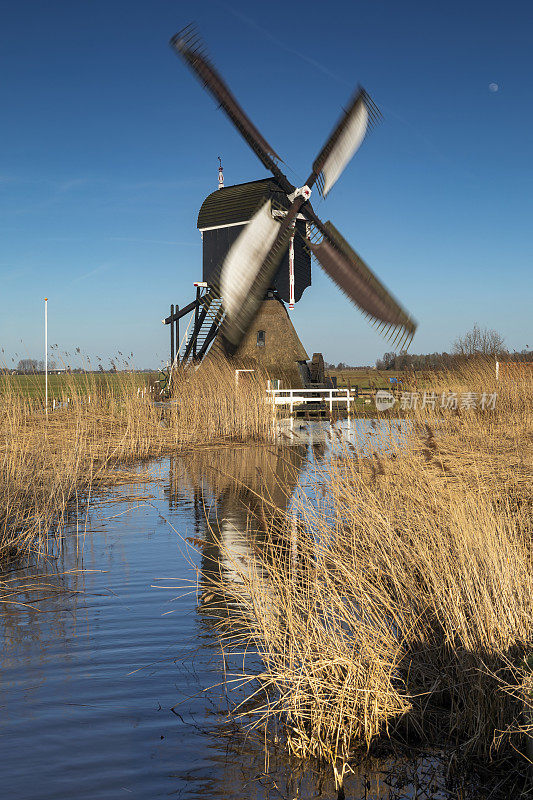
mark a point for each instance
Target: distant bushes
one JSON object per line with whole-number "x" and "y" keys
{"x": 443, "y": 361}
{"x": 477, "y": 344}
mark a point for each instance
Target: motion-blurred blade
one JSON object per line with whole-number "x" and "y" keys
{"x": 249, "y": 267}
{"x": 359, "y": 283}
{"x": 343, "y": 141}
{"x": 244, "y": 260}
{"x": 188, "y": 45}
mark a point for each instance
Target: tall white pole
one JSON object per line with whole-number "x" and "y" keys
{"x": 46, "y": 354}
{"x": 291, "y": 268}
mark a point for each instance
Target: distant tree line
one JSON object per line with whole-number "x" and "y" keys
{"x": 475, "y": 344}
{"x": 342, "y": 365}
{"x": 31, "y": 365}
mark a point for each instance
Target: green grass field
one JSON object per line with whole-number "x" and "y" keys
{"x": 366, "y": 378}
{"x": 369, "y": 380}
{"x": 59, "y": 385}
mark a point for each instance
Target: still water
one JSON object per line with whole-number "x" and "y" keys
{"x": 111, "y": 636}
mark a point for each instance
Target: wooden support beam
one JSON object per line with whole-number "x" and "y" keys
{"x": 171, "y": 336}
{"x": 180, "y": 314}
{"x": 196, "y": 326}
{"x": 198, "y": 322}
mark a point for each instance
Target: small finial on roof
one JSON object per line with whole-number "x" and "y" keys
{"x": 220, "y": 174}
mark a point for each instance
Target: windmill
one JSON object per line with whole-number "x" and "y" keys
{"x": 259, "y": 237}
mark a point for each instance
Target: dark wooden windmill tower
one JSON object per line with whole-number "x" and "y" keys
{"x": 271, "y": 342}
{"x": 258, "y": 239}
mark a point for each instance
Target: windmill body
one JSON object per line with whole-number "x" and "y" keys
{"x": 271, "y": 342}
{"x": 222, "y": 218}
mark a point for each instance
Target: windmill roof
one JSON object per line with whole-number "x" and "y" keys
{"x": 235, "y": 204}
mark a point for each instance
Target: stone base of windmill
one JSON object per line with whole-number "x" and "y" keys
{"x": 273, "y": 346}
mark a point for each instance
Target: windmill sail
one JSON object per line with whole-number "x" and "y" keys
{"x": 359, "y": 283}
{"x": 188, "y": 45}
{"x": 344, "y": 140}
{"x": 252, "y": 261}
{"x": 250, "y": 265}
{"x": 244, "y": 260}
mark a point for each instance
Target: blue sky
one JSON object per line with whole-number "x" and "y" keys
{"x": 109, "y": 146}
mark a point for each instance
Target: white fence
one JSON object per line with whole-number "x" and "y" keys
{"x": 296, "y": 397}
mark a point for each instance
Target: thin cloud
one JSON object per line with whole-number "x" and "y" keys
{"x": 73, "y": 183}
{"x": 252, "y": 23}
{"x": 96, "y": 271}
{"x": 66, "y": 239}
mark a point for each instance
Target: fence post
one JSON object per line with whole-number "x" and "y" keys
{"x": 330, "y": 401}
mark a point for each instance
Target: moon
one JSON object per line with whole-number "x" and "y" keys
{"x": 493, "y": 87}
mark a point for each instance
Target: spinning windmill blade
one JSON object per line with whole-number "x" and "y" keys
{"x": 254, "y": 258}
{"x": 188, "y": 45}
{"x": 357, "y": 280}
{"x": 344, "y": 141}
{"x": 249, "y": 268}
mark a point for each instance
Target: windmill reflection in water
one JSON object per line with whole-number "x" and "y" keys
{"x": 241, "y": 498}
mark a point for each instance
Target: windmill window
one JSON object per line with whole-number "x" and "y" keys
{"x": 261, "y": 338}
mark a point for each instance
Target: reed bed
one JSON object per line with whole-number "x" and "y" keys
{"x": 395, "y": 598}
{"x": 216, "y": 404}
{"x": 52, "y": 462}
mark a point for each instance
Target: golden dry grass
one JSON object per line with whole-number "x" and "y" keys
{"x": 397, "y": 594}
{"x": 212, "y": 405}
{"x": 49, "y": 461}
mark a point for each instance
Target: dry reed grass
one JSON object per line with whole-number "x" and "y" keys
{"x": 49, "y": 461}
{"x": 215, "y": 405}
{"x": 397, "y": 595}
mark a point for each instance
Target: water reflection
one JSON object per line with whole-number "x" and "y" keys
{"x": 238, "y": 494}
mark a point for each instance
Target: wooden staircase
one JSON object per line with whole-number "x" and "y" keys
{"x": 203, "y": 328}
